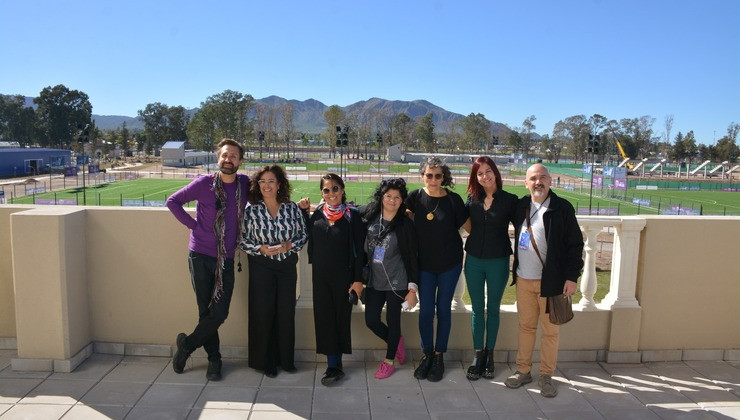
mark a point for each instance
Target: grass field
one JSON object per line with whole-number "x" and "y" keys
{"x": 146, "y": 190}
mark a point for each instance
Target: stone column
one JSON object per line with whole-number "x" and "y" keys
{"x": 626, "y": 251}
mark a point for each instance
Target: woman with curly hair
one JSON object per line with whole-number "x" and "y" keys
{"x": 487, "y": 258}
{"x": 392, "y": 249}
{"x": 274, "y": 233}
{"x": 438, "y": 214}
{"x": 336, "y": 235}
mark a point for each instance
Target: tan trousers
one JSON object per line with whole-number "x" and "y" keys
{"x": 530, "y": 306}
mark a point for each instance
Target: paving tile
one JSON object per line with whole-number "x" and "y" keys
{"x": 94, "y": 412}
{"x": 115, "y": 393}
{"x": 497, "y": 398}
{"x": 94, "y": 368}
{"x": 573, "y": 414}
{"x": 304, "y": 377}
{"x": 12, "y": 390}
{"x": 630, "y": 414}
{"x": 646, "y": 387}
{"x": 517, "y": 416}
{"x": 609, "y": 398}
{"x": 159, "y": 413}
{"x": 218, "y": 414}
{"x": 236, "y": 373}
{"x": 569, "y": 398}
{"x": 135, "y": 372}
{"x": 729, "y": 412}
{"x": 400, "y": 415}
{"x": 464, "y": 415}
{"x": 452, "y": 400}
{"x": 169, "y": 395}
{"x": 5, "y": 407}
{"x": 682, "y": 412}
{"x": 226, "y": 397}
{"x": 284, "y": 399}
{"x": 36, "y": 411}
{"x": 396, "y": 400}
{"x": 340, "y": 416}
{"x": 279, "y": 415}
{"x": 194, "y": 374}
{"x": 18, "y": 374}
{"x": 721, "y": 373}
{"x": 58, "y": 391}
{"x": 340, "y": 400}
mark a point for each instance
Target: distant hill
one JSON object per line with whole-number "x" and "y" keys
{"x": 309, "y": 114}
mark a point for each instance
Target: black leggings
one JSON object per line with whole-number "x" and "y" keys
{"x": 391, "y": 333}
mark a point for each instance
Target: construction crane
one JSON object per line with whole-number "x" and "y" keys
{"x": 626, "y": 159}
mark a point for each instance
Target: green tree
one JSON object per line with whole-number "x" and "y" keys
{"x": 424, "y": 132}
{"x": 17, "y": 122}
{"x": 403, "y": 129}
{"x": 223, "y": 115}
{"x": 334, "y": 117}
{"x": 163, "y": 123}
{"x": 476, "y": 132}
{"x": 528, "y": 128}
{"x": 727, "y": 148}
{"x": 62, "y": 112}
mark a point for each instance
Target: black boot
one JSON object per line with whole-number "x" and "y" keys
{"x": 422, "y": 371}
{"x": 214, "y": 370}
{"x": 181, "y": 355}
{"x": 487, "y": 372}
{"x": 437, "y": 369}
{"x": 476, "y": 368}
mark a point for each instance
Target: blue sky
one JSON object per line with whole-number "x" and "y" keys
{"x": 505, "y": 59}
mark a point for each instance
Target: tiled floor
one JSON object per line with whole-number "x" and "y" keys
{"x": 106, "y": 386}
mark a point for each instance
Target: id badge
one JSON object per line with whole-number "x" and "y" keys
{"x": 524, "y": 241}
{"x": 378, "y": 254}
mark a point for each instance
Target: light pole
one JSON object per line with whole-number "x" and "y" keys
{"x": 593, "y": 149}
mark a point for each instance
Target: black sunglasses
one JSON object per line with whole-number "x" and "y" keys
{"x": 436, "y": 176}
{"x": 333, "y": 189}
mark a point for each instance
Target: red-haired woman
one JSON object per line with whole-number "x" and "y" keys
{"x": 488, "y": 249}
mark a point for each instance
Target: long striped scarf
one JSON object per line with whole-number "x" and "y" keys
{"x": 219, "y": 229}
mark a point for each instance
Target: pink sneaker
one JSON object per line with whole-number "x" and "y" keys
{"x": 401, "y": 351}
{"x": 384, "y": 370}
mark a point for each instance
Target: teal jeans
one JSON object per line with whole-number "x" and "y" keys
{"x": 482, "y": 274}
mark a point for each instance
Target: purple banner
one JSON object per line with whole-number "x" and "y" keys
{"x": 598, "y": 181}
{"x": 608, "y": 211}
{"x": 731, "y": 189}
{"x": 60, "y": 202}
{"x": 70, "y": 171}
{"x": 620, "y": 184}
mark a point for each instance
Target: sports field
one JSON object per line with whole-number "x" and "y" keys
{"x": 152, "y": 192}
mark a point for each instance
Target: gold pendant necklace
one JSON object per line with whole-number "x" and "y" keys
{"x": 430, "y": 215}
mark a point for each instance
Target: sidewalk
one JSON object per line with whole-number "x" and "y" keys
{"x": 107, "y": 386}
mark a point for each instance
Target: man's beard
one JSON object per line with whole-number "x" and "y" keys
{"x": 228, "y": 170}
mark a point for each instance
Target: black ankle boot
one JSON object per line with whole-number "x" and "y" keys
{"x": 475, "y": 369}
{"x": 422, "y": 371}
{"x": 213, "y": 373}
{"x": 437, "y": 369}
{"x": 487, "y": 372}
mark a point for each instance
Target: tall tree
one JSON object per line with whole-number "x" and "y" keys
{"x": 476, "y": 132}
{"x": 727, "y": 148}
{"x": 403, "y": 130}
{"x": 223, "y": 115}
{"x": 425, "y": 133}
{"x": 61, "y": 113}
{"x": 162, "y": 124}
{"x": 528, "y": 128}
{"x": 334, "y": 117}
{"x": 17, "y": 121}
{"x": 288, "y": 126}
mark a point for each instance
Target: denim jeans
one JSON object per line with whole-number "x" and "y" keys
{"x": 435, "y": 296}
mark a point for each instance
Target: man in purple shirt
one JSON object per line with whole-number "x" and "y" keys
{"x": 214, "y": 234}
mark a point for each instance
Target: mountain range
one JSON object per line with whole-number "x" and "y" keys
{"x": 308, "y": 115}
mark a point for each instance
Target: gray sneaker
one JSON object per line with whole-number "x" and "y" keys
{"x": 547, "y": 388}
{"x": 518, "y": 379}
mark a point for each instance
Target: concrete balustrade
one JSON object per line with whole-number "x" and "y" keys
{"x": 77, "y": 280}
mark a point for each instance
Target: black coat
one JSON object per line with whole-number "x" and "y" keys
{"x": 564, "y": 244}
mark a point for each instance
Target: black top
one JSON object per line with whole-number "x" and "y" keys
{"x": 489, "y": 229}
{"x": 336, "y": 250}
{"x": 440, "y": 243}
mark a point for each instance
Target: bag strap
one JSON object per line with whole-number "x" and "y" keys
{"x": 531, "y": 237}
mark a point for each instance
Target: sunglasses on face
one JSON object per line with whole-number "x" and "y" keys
{"x": 333, "y": 189}
{"x": 435, "y": 176}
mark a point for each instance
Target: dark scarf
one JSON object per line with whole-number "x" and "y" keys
{"x": 219, "y": 229}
